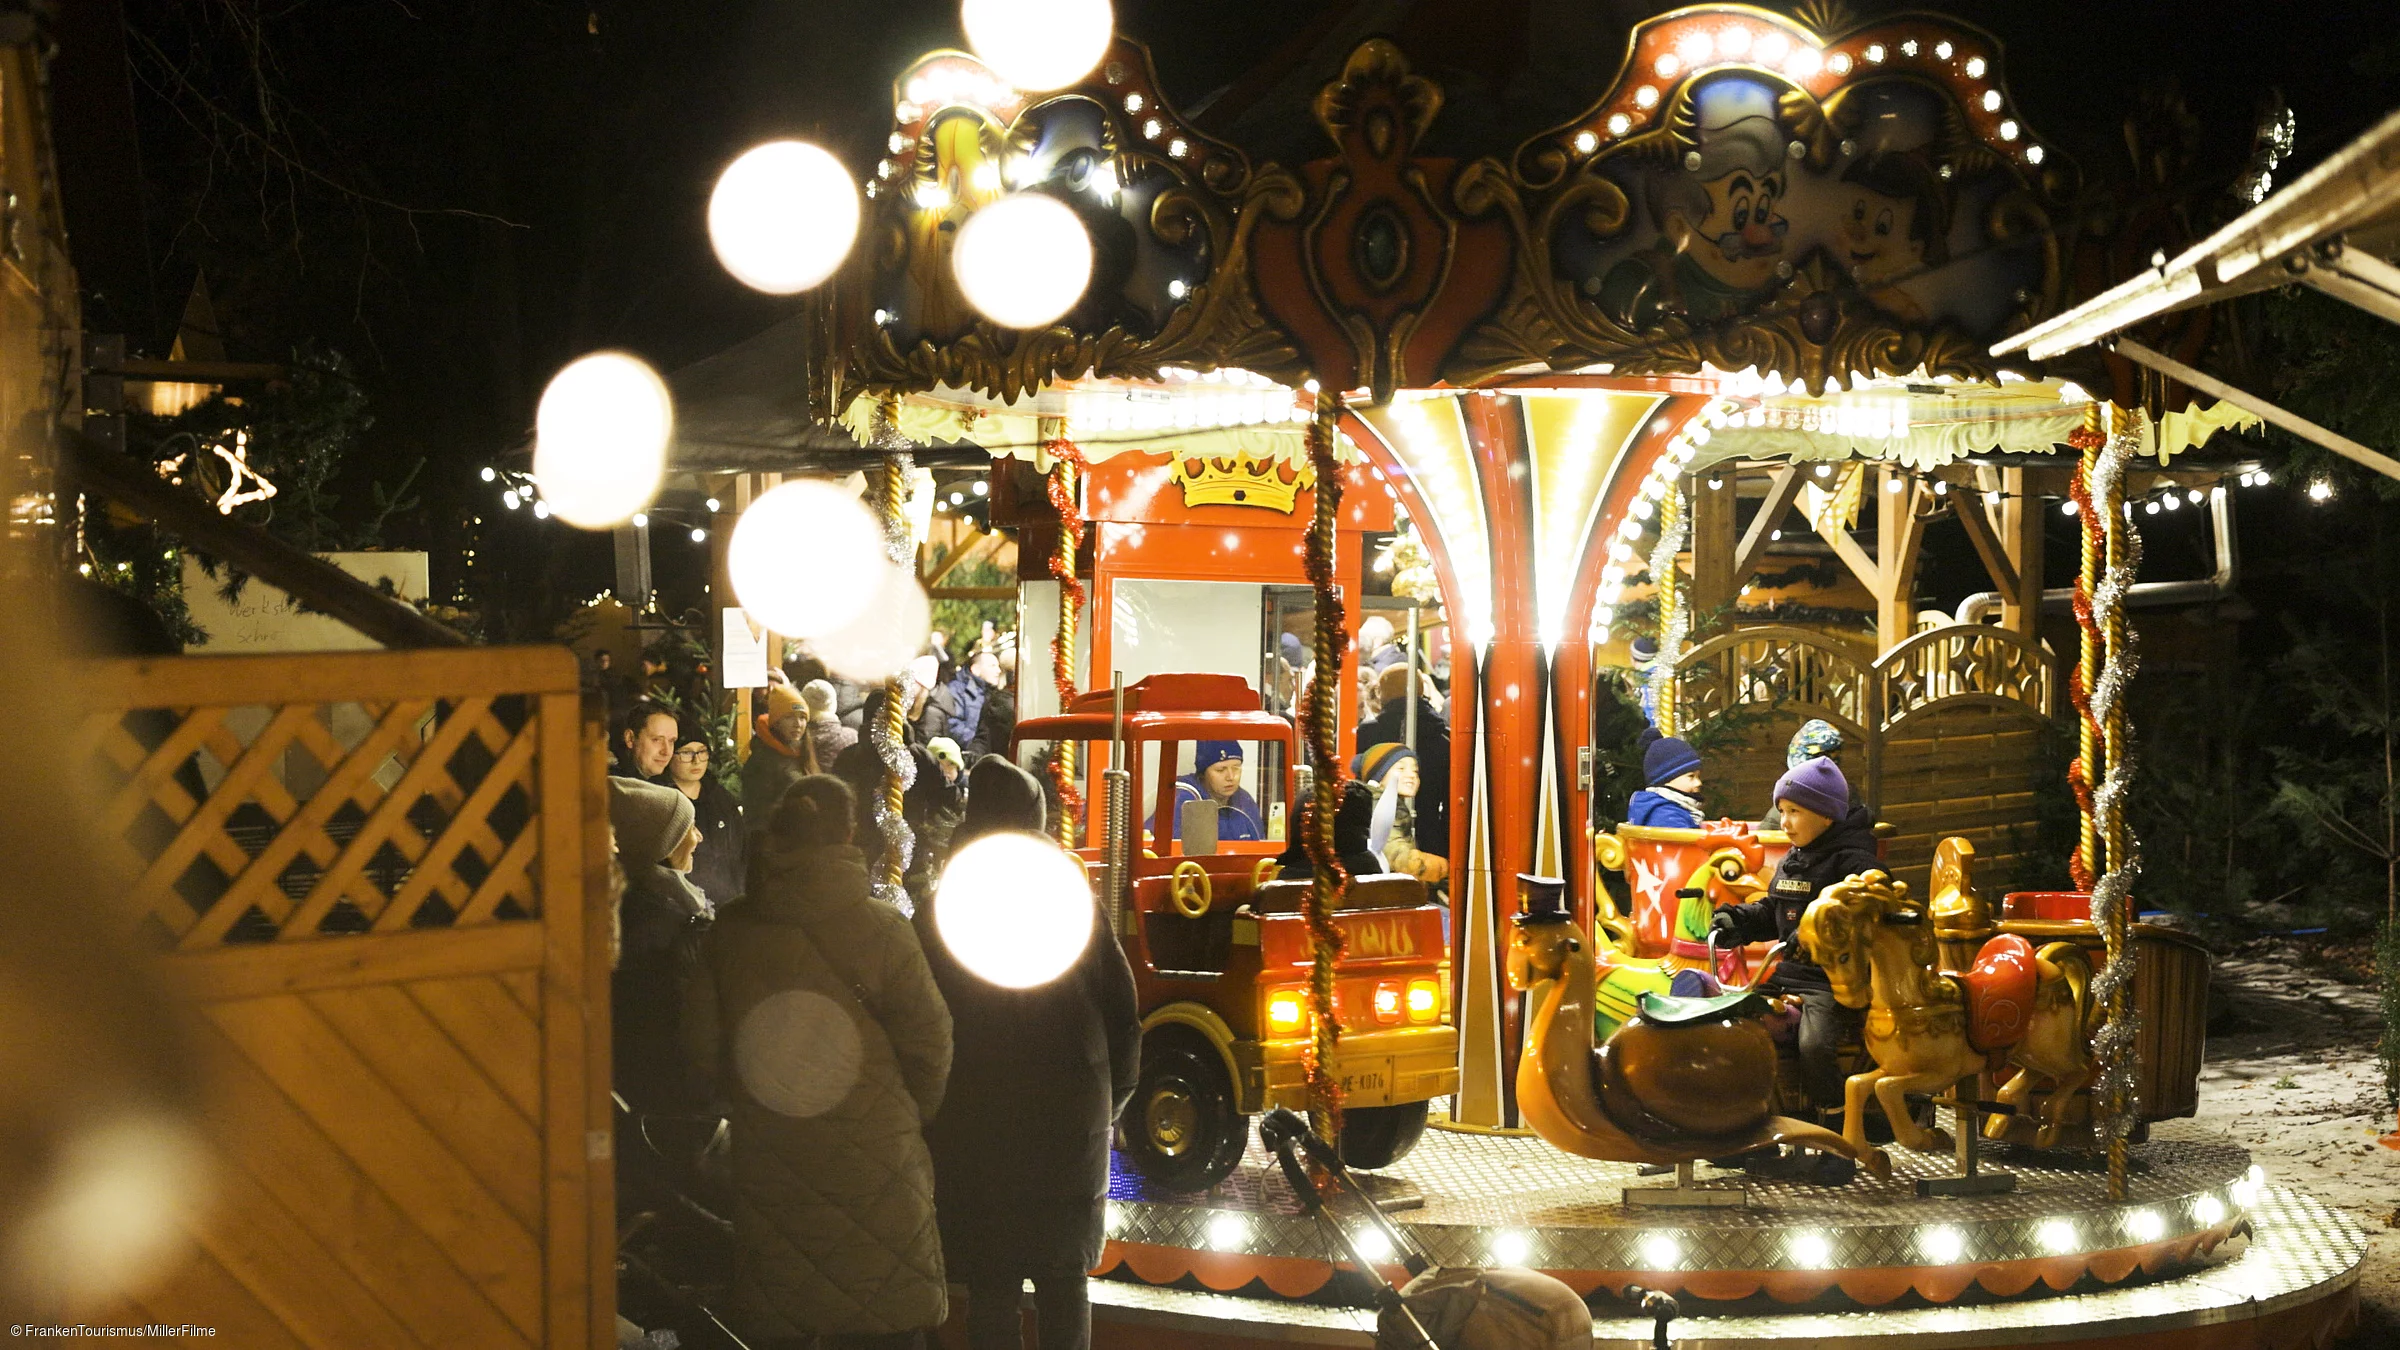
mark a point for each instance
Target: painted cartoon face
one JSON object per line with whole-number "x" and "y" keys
{"x": 1876, "y": 237}
{"x": 1741, "y": 240}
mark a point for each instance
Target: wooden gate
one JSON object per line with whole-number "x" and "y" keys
{"x": 381, "y": 878}
{"x": 1945, "y": 730}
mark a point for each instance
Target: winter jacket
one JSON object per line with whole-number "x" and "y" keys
{"x": 1846, "y": 849}
{"x": 995, "y": 729}
{"x": 1433, "y": 765}
{"x": 661, "y": 919}
{"x": 1020, "y": 1150}
{"x": 768, "y": 774}
{"x": 832, "y": 739}
{"x": 967, "y": 694}
{"x": 720, "y": 863}
{"x": 939, "y": 711}
{"x": 1662, "y": 809}
{"x": 816, "y": 1020}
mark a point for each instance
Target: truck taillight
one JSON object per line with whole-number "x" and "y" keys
{"x": 1424, "y": 1000}
{"x": 1387, "y": 1003}
{"x": 1285, "y": 1011}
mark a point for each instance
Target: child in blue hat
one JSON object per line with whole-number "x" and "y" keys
{"x": 1672, "y": 801}
{"x": 1217, "y": 776}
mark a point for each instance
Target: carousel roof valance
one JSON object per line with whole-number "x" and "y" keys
{"x": 1750, "y": 194}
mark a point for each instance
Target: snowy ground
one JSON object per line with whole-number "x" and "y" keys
{"x": 2291, "y": 1076}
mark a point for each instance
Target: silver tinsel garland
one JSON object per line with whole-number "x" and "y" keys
{"x": 900, "y": 547}
{"x": 2115, "y": 1045}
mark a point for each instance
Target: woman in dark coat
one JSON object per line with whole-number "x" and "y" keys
{"x": 1020, "y": 1150}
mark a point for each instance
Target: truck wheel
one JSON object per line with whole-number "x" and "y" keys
{"x": 1378, "y": 1136}
{"x": 1181, "y": 1129}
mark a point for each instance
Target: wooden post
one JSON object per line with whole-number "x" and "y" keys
{"x": 1714, "y": 584}
{"x": 2021, "y": 538}
{"x": 1897, "y": 531}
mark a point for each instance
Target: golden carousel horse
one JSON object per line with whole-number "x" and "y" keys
{"x": 1926, "y": 1029}
{"x": 1684, "y": 1079}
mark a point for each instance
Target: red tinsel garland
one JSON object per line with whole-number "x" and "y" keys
{"x": 1064, "y": 454}
{"x": 1319, "y": 716}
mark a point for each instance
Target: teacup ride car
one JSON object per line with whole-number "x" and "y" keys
{"x": 1676, "y": 880}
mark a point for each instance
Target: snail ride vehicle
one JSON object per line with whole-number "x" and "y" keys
{"x": 1377, "y": 460}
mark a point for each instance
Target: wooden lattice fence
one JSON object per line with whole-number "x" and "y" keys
{"x": 380, "y": 878}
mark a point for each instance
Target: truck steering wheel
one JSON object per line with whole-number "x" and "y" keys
{"x": 1188, "y": 888}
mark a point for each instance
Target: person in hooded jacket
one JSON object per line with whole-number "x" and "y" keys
{"x": 660, "y": 917}
{"x": 1831, "y": 841}
{"x": 1353, "y": 827}
{"x": 1216, "y": 776}
{"x": 816, "y": 1019}
{"x": 1020, "y": 1150}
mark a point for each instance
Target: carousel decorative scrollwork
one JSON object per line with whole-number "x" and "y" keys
{"x": 1962, "y": 664}
{"x": 1170, "y": 212}
{"x": 1801, "y": 672}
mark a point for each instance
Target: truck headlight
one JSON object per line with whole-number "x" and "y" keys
{"x": 1424, "y": 1000}
{"x": 1387, "y": 1003}
{"x": 1284, "y": 1010}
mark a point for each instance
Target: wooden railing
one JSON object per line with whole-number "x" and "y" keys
{"x": 1960, "y": 665}
{"x": 381, "y": 881}
{"x": 1805, "y": 673}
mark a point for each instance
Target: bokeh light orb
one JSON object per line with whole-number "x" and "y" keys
{"x": 881, "y": 639}
{"x": 1023, "y": 260}
{"x": 805, "y": 558}
{"x": 1039, "y": 44}
{"x": 600, "y": 439}
{"x": 783, "y": 216}
{"x": 798, "y": 1052}
{"x": 1014, "y": 908}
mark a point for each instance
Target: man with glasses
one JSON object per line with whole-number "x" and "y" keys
{"x": 717, "y": 864}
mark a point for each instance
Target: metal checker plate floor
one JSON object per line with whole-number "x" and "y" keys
{"x": 2302, "y": 1253}
{"x": 1553, "y": 1211}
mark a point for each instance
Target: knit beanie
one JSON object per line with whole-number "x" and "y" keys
{"x": 818, "y": 695}
{"x": 1815, "y": 739}
{"x": 1207, "y": 753}
{"x": 1000, "y": 796}
{"x": 944, "y": 750}
{"x": 1376, "y": 762}
{"x": 1667, "y": 759}
{"x": 1818, "y": 785}
{"x": 782, "y": 700}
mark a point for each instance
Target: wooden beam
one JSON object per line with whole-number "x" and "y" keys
{"x": 976, "y": 539}
{"x": 2021, "y": 522}
{"x": 313, "y": 581}
{"x": 1853, "y": 557}
{"x": 1714, "y": 584}
{"x": 1898, "y": 531}
{"x": 1967, "y": 505}
{"x": 1781, "y": 493}
{"x": 2292, "y": 422}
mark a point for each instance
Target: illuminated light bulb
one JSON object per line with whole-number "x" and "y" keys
{"x": 1619, "y": 124}
{"x": 800, "y": 556}
{"x": 1023, "y": 260}
{"x": 1940, "y": 488}
{"x": 600, "y": 439}
{"x": 541, "y": 510}
{"x": 1152, "y": 128}
{"x": 1661, "y": 1252}
{"x": 2146, "y": 1225}
{"x": 715, "y": 506}
{"x": 2057, "y": 1235}
{"x": 1943, "y": 1244}
{"x": 1839, "y": 63}
{"x": 1941, "y": 51}
{"x": 489, "y": 473}
{"x": 2034, "y": 154}
{"x": 1991, "y": 499}
{"x": 640, "y": 521}
{"x": 1178, "y": 148}
{"x": 2195, "y": 496}
{"x": 2172, "y": 502}
{"x": 1909, "y": 48}
{"x": 509, "y": 500}
{"x": 2068, "y": 507}
{"x": 1696, "y": 49}
{"x": 1810, "y": 1251}
{"x": 2150, "y": 508}
{"x": 1226, "y": 1230}
{"x": 699, "y": 536}
{"x": 1774, "y": 534}
{"x": 1373, "y": 1245}
{"x": 1803, "y": 62}
{"x": 1892, "y": 484}
{"x": 1991, "y": 100}
{"x": 1134, "y": 103}
{"x": 1770, "y": 48}
{"x": 2320, "y": 491}
{"x": 1734, "y": 41}
{"x": 783, "y": 217}
{"x": 1875, "y": 53}
{"x": 1621, "y": 551}
{"x": 1512, "y": 1248}
{"x": 897, "y": 142}
{"x": 1014, "y": 908}
{"x": 1039, "y": 44}
{"x": 1975, "y": 67}
{"x": 2008, "y": 131}
{"x": 1645, "y": 97}
{"x": 2208, "y": 1209}
{"x": 1824, "y": 471}
{"x": 1667, "y": 65}
{"x": 932, "y": 197}
{"x": 1586, "y": 142}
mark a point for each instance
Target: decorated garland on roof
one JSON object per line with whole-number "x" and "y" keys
{"x": 1319, "y": 716}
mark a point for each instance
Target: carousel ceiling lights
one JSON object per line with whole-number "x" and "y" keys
{"x": 1023, "y": 261}
{"x": 783, "y": 216}
{"x": 1039, "y": 44}
{"x": 600, "y": 439}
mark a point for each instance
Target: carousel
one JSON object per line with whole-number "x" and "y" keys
{"x": 1507, "y": 412}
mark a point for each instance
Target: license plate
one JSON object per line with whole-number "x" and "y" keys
{"x": 1371, "y": 1080}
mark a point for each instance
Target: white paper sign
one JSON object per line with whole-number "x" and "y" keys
{"x": 745, "y": 660}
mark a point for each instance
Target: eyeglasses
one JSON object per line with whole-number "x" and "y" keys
{"x": 691, "y": 754}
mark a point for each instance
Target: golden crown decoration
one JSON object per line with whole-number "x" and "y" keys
{"x": 1242, "y": 481}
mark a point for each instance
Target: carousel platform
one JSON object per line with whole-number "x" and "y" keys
{"x": 2203, "y": 1253}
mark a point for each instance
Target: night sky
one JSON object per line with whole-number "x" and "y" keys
{"x": 460, "y": 195}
